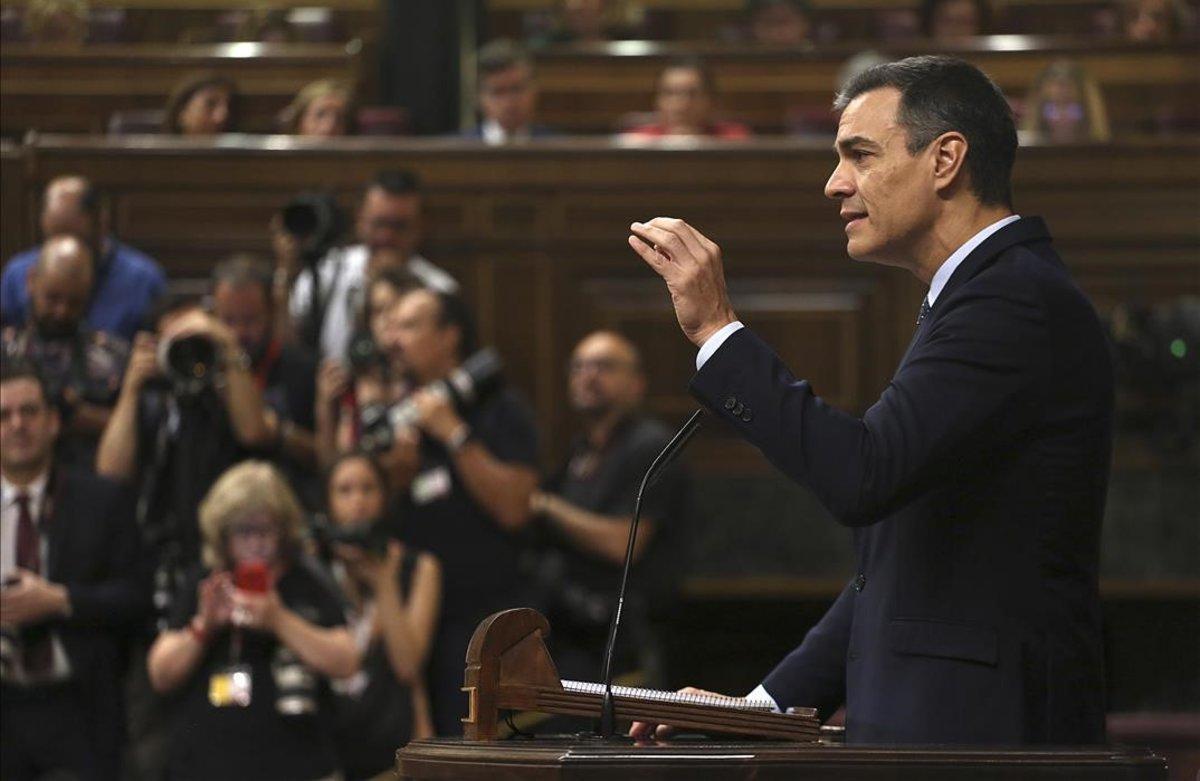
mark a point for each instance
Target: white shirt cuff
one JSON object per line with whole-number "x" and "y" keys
{"x": 714, "y": 342}
{"x": 761, "y": 694}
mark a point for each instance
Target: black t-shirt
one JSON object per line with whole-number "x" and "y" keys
{"x": 373, "y": 712}
{"x": 291, "y": 384}
{"x": 256, "y": 741}
{"x": 606, "y": 482}
{"x": 184, "y": 444}
{"x": 438, "y": 513}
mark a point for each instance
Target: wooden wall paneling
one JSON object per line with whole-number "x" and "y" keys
{"x": 16, "y": 231}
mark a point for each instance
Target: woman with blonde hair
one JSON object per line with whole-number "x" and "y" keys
{"x": 1065, "y": 106}
{"x": 323, "y": 109}
{"x": 253, "y": 641}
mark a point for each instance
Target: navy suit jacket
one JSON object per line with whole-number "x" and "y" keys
{"x": 93, "y": 550}
{"x": 975, "y": 487}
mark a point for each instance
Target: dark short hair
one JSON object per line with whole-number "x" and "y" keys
{"x": 244, "y": 269}
{"x": 170, "y": 303}
{"x": 398, "y": 182}
{"x": 692, "y": 63}
{"x": 940, "y": 94}
{"x": 358, "y": 455}
{"x": 453, "y": 311}
{"x": 15, "y": 367}
{"x": 188, "y": 87}
{"x": 500, "y": 55}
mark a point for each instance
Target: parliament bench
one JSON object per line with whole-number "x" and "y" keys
{"x": 588, "y": 88}
{"x": 76, "y": 90}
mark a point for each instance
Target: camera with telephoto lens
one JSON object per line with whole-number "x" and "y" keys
{"x": 466, "y": 386}
{"x": 189, "y": 363}
{"x": 371, "y": 536}
{"x": 315, "y": 221}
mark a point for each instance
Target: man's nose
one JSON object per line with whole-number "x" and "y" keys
{"x": 839, "y": 186}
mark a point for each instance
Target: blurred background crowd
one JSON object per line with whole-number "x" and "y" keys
{"x": 255, "y": 503}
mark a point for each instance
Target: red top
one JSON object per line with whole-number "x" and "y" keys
{"x": 733, "y": 131}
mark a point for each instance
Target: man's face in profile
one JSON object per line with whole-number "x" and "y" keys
{"x": 887, "y": 196}
{"x": 387, "y": 221}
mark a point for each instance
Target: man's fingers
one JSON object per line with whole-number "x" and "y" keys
{"x": 655, "y": 259}
{"x": 666, "y": 241}
{"x": 688, "y": 236}
{"x": 641, "y": 730}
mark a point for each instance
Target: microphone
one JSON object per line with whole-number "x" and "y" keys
{"x": 663, "y": 460}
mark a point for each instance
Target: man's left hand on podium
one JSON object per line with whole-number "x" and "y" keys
{"x": 645, "y": 730}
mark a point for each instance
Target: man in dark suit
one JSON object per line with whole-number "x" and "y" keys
{"x": 69, "y": 559}
{"x": 507, "y": 96}
{"x": 976, "y": 484}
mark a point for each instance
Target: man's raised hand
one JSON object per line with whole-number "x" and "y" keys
{"x": 691, "y": 266}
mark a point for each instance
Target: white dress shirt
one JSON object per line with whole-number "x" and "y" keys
{"x": 940, "y": 278}
{"x": 343, "y": 275}
{"x": 10, "y": 515}
{"x": 495, "y": 135}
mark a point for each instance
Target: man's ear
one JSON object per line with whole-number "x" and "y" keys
{"x": 949, "y": 159}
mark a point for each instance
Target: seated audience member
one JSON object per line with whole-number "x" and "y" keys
{"x": 252, "y": 641}
{"x": 1155, "y": 21}
{"x": 685, "y": 104}
{"x": 178, "y": 425}
{"x": 283, "y": 373}
{"x": 394, "y": 593}
{"x": 58, "y": 22}
{"x": 204, "y": 104}
{"x": 82, "y": 368}
{"x": 585, "y": 510}
{"x": 1065, "y": 105}
{"x": 127, "y": 282}
{"x": 388, "y": 224}
{"x": 779, "y": 22}
{"x": 322, "y": 109}
{"x": 581, "y": 21}
{"x": 507, "y": 95}
{"x": 372, "y": 372}
{"x": 69, "y": 554}
{"x": 952, "y": 22}
{"x": 474, "y": 472}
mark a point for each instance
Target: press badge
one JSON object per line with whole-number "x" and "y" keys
{"x": 431, "y": 485}
{"x": 230, "y": 687}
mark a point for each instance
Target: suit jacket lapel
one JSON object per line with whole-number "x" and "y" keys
{"x": 1024, "y": 230}
{"x": 57, "y": 531}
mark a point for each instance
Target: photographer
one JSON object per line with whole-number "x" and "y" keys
{"x": 395, "y": 596}
{"x": 177, "y": 426}
{"x": 283, "y": 373}
{"x": 252, "y": 641}
{"x": 586, "y": 509}
{"x": 388, "y": 227}
{"x": 68, "y": 555}
{"x": 82, "y": 368}
{"x": 371, "y": 373}
{"x": 470, "y": 495}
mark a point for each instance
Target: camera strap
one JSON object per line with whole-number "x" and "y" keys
{"x": 267, "y": 364}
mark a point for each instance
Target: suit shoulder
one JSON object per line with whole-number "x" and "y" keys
{"x": 90, "y": 487}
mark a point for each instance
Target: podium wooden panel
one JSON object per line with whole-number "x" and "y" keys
{"x": 548, "y": 759}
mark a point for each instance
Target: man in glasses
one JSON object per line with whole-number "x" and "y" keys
{"x": 586, "y": 509}
{"x": 388, "y": 229}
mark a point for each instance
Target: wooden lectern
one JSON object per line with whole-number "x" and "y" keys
{"x": 509, "y": 668}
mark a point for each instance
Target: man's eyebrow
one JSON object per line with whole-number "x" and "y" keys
{"x": 852, "y": 141}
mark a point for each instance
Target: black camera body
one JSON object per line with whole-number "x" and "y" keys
{"x": 315, "y": 221}
{"x": 371, "y": 537}
{"x": 468, "y": 385}
{"x": 189, "y": 363}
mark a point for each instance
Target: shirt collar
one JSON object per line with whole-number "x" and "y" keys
{"x": 946, "y": 270}
{"x": 494, "y": 135}
{"x": 35, "y": 490}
